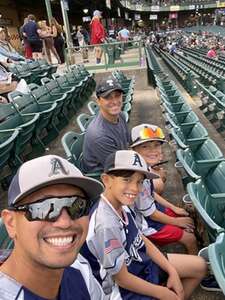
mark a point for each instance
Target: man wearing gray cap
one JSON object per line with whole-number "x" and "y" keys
{"x": 47, "y": 218}
{"x": 108, "y": 131}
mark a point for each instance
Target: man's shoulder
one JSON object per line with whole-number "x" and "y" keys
{"x": 9, "y": 288}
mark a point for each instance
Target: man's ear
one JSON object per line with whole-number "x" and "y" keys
{"x": 9, "y": 220}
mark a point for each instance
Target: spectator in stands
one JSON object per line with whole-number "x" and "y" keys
{"x": 97, "y": 34}
{"x": 7, "y": 53}
{"x": 59, "y": 42}
{"x": 83, "y": 41}
{"x": 162, "y": 222}
{"x": 124, "y": 34}
{"x": 31, "y": 32}
{"x": 47, "y": 218}
{"x": 131, "y": 266}
{"x": 48, "y": 43}
{"x": 212, "y": 53}
{"x": 108, "y": 131}
{"x": 8, "y": 83}
{"x": 26, "y": 45}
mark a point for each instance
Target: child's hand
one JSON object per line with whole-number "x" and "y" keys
{"x": 185, "y": 222}
{"x": 174, "y": 284}
{"x": 166, "y": 294}
{"x": 180, "y": 211}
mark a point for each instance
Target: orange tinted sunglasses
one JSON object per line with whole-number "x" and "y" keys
{"x": 149, "y": 133}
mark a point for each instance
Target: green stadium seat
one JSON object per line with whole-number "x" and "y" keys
{"x": 181, "y": 119}
{"x": 189, "y": 134}
{"x": 42, "y": 96}
{"x": 55, "y": 90}
{"x": 83, "y": 120}
{"x": 10, "y": 119}
{"x": 217, "y": 260}
{"x": 200, "y": 158}
{"x": 26, "y": 104}
{"x": 210, "y": 208}
{"x": 72, "y": 143}
{"x": 7, "y": 144}
{"x": 93, "y": 107}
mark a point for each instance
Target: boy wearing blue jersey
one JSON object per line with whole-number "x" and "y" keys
{"x": 160, "y": 221}
{"x": 47, "y": 218}
{"x": 131, "y": 266}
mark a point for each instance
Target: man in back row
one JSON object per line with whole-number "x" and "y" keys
{"x": 108, "y": 131}
{"x": 47, "y": 218}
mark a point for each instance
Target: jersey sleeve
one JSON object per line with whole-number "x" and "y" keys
{"x": 94, "y": 288}
{"x": 145, "y": 202}
{"x": 107, "y": 246}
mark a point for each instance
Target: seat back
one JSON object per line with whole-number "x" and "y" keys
{"x": 210, "y": 209}
{"x": 93, "y": 107}
{"x": 217, "y": 260}
{"x": 24, "y": 103}
{"x": 215, "y": 179}
{"x": 208, "y": 150}
{"x": 83, "y": 120}
{"x": 72, "y": 143}
{"x": 9, "y": 117}
{"x": 7, "y": 142}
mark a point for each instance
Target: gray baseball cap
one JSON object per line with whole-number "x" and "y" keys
{"x": 146, "y": 133}
{"x": 128, "y": 160}
{"x": 107, "y": 86}
{"x": 48, "y": 170}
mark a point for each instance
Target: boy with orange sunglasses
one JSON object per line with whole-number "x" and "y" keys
{"x": 161, "y": 221}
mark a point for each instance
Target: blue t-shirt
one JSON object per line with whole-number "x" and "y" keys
{"x": 30, "y": 28}
{"x": 101, "y": 139}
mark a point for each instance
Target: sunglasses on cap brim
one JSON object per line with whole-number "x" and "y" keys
{"x": 150, "y": 133}
{"x": 49, "y": 209}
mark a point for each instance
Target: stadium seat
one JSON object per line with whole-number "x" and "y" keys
{"x": 210, "y": 208}
{"x": 72, "y": 143}
{"x": 189, "y": 134}
{"x": 83, "y": 120}
{"x": 26, "y": 104}
{"x": 93, "y": 107}
{"x": 200, "y": 158}
{"x": 42, "y": 95}
{"x": 54, "y": 89}
{"x": 7, "y": 144}
{"x": 217, "y": 260}
{"x": 10, "y": 119}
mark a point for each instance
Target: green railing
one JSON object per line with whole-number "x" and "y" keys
{"x": 114, "y": 55}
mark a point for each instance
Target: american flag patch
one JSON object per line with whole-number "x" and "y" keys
{"x": 111, "y": 245}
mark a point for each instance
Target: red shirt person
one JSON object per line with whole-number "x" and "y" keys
{"x": 97, "y": 34}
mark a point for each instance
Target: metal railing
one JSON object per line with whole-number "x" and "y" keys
{"x": 114, "y": 55}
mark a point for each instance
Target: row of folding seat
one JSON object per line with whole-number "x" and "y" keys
{"x": 33, "y": 71}
{"x": 31, "y": 121}
{"x": 216, "y": 65}
{"x": 204, "y": 164}
{"x": 72, "y": 142}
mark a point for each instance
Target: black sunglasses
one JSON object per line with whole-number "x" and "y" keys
{"x": 49, "y": 209}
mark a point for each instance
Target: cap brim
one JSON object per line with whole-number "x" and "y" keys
{"x": 149, "y": 175}
{"x": 105, "y": 94}
{"x": 92, "y": 187}
{"x": 147, "y": 140}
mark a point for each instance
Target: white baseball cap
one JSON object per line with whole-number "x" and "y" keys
{"x": 48, "y": 170}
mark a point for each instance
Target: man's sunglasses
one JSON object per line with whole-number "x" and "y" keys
{"x": 49, "y": 209}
